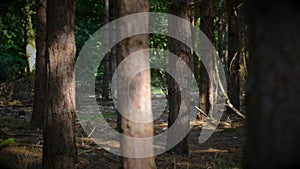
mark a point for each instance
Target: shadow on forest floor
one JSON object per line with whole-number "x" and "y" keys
{"x": 24, "y": 150}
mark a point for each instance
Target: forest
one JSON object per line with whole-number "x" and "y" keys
{"x": 149, "y": 84}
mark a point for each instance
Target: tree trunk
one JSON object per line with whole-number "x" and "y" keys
{"x": 37, "y": 118}
{"x": 221, "y": 33}
{"x": 105, "y": 79}
{"x": 179, "y": 99}
{"x": 233, "y": 55}
{"x": 59, "y": 151}
{"x": 273, "y": 140}
{"x": 243, "y": 41}
{"x": 113, "y": 54}
{"x": 207, "y": 26}
{"x": 30, "y": 37}
{"x": 139, "y": 107}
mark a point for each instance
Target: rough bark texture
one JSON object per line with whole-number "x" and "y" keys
{"x": 179, "y": 99}
{"x": 233, "y": 55}
{"x": 273, "y": 98}
{"x": 59, "y": 151}
{"x": 139, "y": 107}
{"x": 207, "y": 26}
{"x": 37, "y": 119}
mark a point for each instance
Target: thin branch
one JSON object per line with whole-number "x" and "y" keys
{"x": 92, "y": 132}
{"x": 201, "y": 111}
{"x": 227, "y": 98}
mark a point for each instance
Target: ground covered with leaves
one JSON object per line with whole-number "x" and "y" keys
{"x": 21, "y": 145}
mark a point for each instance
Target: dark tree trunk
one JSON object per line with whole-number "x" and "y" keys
{"x": 105, "y": 80}
{"x": 273, "y": 119}
{"x": 207, "y": 26}
{"x": 233, "y": 55}
{"x": 37, "y": 118}
{"x": 176, "y": 97}
{"x": 59, "y": 151}
{"x": 243, "y": 61}
{"x": 221, "y": 32}
{"x": 113, "y": 55}
{"x": 139, "y": 106}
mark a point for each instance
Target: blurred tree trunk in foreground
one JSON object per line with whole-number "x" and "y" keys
{"x": 273, "y": 98}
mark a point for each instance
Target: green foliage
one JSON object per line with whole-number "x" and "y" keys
{"x": 88, "y": 19}
{"x": 159, "y": 6}
{"x": 230, "y": 129}
{"x": 13, "y": 59}
{"x": 7, "y": 141}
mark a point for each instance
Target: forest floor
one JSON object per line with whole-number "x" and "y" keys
{"x": 21, "y": 144}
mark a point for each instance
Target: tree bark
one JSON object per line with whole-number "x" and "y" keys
{"x": 179, "y": 99}
{"x": 105, "y": 79}
{"x": 37, "y": 118}
{"x": 59, "y": 151}
{"x": 273, "y": 119}
{"x": 139, "y": 107}
{"x": 233, "y": 55}
{"x": 207, "y": 26}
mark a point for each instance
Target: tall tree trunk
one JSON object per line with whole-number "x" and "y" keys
{"x": 37, "y": 118}
{"x": 179, "y": 99}
{"x": 273, "y": 140}
{"x": 59, "y": 151}
{"x": 105, "y": 79}
{"x": 139, "y": 107}
{"x": 233, "y": 55}
{"x": 221, "y": 32}
{"x": 243, "y": 72}
{"x": 206, "y": 84}
{"x": 30, "y": 37}
{"x": 113, "y": 55}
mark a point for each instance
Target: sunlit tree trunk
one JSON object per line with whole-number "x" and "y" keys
{"x": 139, "y": 107}
{"x": 272, "y": 135}
{"x": 59, "y": 151}
{"x": 30, "y": 36}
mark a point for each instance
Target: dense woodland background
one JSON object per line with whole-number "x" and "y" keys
{"x": 256, "y": 41}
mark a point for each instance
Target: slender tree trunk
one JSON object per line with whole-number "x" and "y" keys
{"x": 273, "y": 119}
{"x": 37, "y": 118}
{"x": 221, "y": 32}
{"x": 206, "y": 84}
{"x": 233, "y": 55}
{"x": 59, "y": 151}
{"x": 30, "y": 37}
{"x": 179, "y": 99}
{"x": 113, "y": 55}
{"x": 105, "y": 79}
{"x": 243, "y": 72}
{"x": 139, "y": 107}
